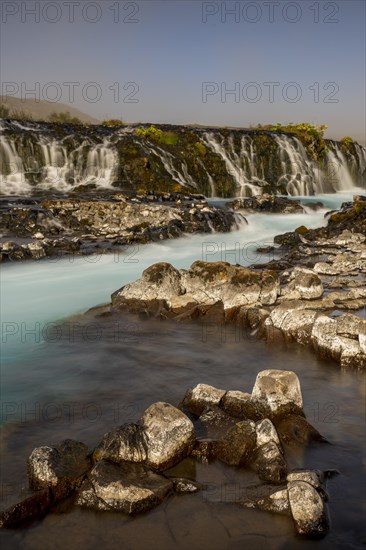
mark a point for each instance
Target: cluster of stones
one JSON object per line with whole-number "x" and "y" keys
{"x": 79, "y": 226}
{"x": 130, "y": 470}
{"x": 290, "y": 307}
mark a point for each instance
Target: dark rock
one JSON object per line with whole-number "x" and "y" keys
{"x": 125, "y": 444}
{"x": 237, "y": 446}
{"x": 60, "y": 468}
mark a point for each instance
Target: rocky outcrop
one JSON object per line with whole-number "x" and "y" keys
{"x": 204, "y": 284}
{"x": 33, "y": 229}
{"x": 136, "y": 466}
{"x": 266, "y": 204}
{"x": 295, "y": 299}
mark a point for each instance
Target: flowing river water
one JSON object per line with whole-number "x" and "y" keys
{"x": 83, "y": 379}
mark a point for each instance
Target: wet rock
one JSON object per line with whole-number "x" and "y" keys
{"x": 237, "y": 446}
{"x": 295, "y": 430}
{"x": 201, "y": 397}
{"x": 308, "y": 509}
{"x": 239, "y": 404}
{"x": 315, "y": 478}
{"x": 266, "y": 433}
{"x": 269, "y": 463}
{"x": 31, "y": 509}
{"x": 216, "y": 422}
{"x": 60, "y": 468}
{"x": 125, "y": 487}
{"x": 279, "y": 392}
{"x": 169, "y": 434}
{"x": 126, "y": 443}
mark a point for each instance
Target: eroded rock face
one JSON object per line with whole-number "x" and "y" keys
{"x": 60, "y": 468}
{"x": 170, "y": 435}
{"x": 279, "y": 391}
{"x": 126, "y": 443}
{"x": 308, "y": 509}
{"x": 295, "y": 431}
{"x": 129, "y": 488}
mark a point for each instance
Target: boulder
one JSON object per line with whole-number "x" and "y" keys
{"x": 216, "y": 422}
{"x": 279, "y": 392}
{"x": 126, "y": 443}
{"x": 160, "y": 281}
{"x": 269, "y": 463}
{"x": 169, "y": 434}
{"x": 60, "y": 468}
{"x": 201, "y": 397}
{"x": 308, "y": 509}
{"x": 305, "y": 284}
{"x": 236, "y": 448}
{"x": 295, "y": 431}
{"x": 240, "y": 405}
{"x": 124, "y": 487}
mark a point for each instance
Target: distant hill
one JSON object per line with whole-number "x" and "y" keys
{"x": 41, "y": 110}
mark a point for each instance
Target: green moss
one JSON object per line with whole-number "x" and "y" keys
{"x": 312, "y": 137}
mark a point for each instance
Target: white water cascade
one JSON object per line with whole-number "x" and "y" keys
{"x": 241, "y": 166}
{"x": 40, "y": 156}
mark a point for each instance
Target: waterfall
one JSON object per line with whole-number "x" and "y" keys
{"x": 240, "y": 166}
{"x": 49, "y": 157}
{"x": 12, "y": 175}
{"x": 180, "y": 176}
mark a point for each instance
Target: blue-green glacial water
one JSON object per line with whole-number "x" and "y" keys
{"x": 91, "y": 376}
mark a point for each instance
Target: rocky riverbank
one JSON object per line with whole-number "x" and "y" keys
{"x": 306, "y": 296}
{"x": 138, "y": 465}
{"x": 39, "y": 228}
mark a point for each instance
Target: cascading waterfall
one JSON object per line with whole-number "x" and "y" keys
{"x": 41, "y": 156}
{"x": 240, "y": 166}
{"x": 181, "y": 176}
